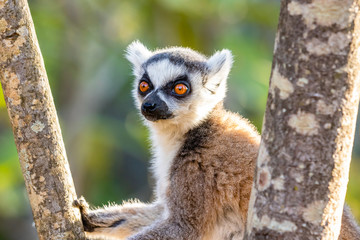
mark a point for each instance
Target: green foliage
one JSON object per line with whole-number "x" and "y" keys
{"x": 2, "y": 100}
{"x": 353, "y": 191}
{"x": 12, "y": 201}
{"x": 83, "y": 44}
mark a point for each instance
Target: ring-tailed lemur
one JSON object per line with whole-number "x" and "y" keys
{"x": 204, "y": 156}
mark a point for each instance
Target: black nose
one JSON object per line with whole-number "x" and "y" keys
{"x": 153, "y": 108}
{"x": 149, "y": 106}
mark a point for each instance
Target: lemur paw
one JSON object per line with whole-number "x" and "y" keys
{"x": 81, "y": 203}
{"x": 100, "y": 219}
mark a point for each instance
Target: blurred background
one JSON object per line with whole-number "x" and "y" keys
{"x": 83, "y": 44}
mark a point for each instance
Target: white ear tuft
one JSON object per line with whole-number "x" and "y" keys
{"x": 137, "y": 54}
{"x": 220, "y": 62}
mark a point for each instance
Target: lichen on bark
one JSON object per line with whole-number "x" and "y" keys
{"x": 309, "y": 122}
{"x": 35, "y": 126}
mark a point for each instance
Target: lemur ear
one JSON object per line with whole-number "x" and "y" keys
{"x": 137, "y": 54}
{"x": 221, "y": 61}
{"x": 219, "y": 66}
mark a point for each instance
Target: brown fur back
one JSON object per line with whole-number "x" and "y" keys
{"x": 212, "y": 175}
{"x": 350, "y": 230}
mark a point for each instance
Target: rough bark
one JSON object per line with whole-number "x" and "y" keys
{"x": 35, "y": 125}
{"x": 308, "y": 130}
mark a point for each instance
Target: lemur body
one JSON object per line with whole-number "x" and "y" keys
{"x": 204, "y": 156}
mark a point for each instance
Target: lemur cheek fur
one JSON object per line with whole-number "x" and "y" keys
{"x": 203, "y": 156}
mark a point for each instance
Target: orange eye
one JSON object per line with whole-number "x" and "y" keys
{"x": 143, "y": 86}
{"x": 180, "y": 89}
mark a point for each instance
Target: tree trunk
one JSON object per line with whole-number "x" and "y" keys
{"x": 308, "y": 130}
{"x": 35, "y": 125}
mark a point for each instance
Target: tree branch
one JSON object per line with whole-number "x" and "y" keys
{"x": 35, "y": 125}
{"x": 308, "y": 130}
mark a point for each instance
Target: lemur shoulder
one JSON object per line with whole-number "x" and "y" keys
{"x": 203, "y": 156}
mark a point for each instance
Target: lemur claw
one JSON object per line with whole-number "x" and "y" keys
{"x": 84, "y": 210}
{"x": 81, "y": 204}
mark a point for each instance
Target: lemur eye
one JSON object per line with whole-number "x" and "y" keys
{"x": 180, "y": 89}
{"x": 144, "y": 86}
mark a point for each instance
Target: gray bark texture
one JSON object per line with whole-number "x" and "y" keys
{"x": 35, "y": 125}
{"x": 308, "y": 130}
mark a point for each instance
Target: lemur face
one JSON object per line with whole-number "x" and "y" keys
{"x": 177, "y": 85}
{"x": 166, "y": 89}
{"x": 159, "y": 100}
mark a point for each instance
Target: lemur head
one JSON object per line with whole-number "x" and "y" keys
{"x": 177, "y": 85}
